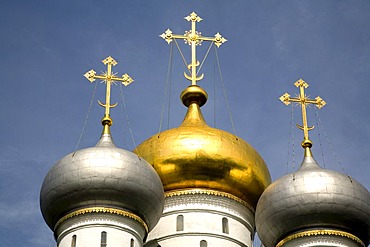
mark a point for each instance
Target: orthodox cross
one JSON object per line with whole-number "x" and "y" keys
{"x": 303, "y": 100}
{"x": 193, "y": 38}
{"x": 108, "y": 77}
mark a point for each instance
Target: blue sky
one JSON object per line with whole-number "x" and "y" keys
{"x": 47, "y": 46}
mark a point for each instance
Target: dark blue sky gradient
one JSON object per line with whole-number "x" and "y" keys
{"x": 47, "y": 46}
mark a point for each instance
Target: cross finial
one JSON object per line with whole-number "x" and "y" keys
{"x": 193, "y": 38}
{"x": 108, "y": 78}
{"x": 303, "y": 100}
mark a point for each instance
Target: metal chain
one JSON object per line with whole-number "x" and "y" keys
{"x": 319, "y": 135}
{"x": 86, "y": 119}
{"x": 214, "y": 94}
{"x": 127, "y": 118}
{"x": 225, "y": 95}
{"x": 168, "y": 83}
{"x": 290, "y": 140}
{"x": 205, "y": 57}
{"x": 331, "y": 146}
{"x": 182, "y": 55}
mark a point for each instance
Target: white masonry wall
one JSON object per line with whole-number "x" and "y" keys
{"x": 207, "y": 221}
{"x": 86, "y": 231}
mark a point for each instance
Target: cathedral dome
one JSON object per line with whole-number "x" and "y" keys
{"x": 102, "y": 176}
{"x": 197, "y": 156}
{"x": 313, "y": 198}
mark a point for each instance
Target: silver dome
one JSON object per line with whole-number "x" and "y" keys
{"x": 105, "y": 176}
{"x": 313, "y": 198}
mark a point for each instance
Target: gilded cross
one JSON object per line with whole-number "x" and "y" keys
{"x": 108, "y": 78}
{"x": 303, "y": 100}
{"x": 193, "y": 38}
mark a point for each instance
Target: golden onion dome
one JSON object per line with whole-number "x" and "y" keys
{"x": 197, "y": 156}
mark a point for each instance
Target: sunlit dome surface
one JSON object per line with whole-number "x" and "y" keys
{"x": 197, "y": 156}
{"x": 313, "y": 198}
{"x": 102, "y": 176}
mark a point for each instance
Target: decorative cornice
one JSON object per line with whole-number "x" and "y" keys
{"x": 203, "y": 235}
{"x": 102, "y": 210}
{"x": 320, "y": 232}
{"x": 208, "y": 192}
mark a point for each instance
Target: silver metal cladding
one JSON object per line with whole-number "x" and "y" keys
{"x": 103, "y": 175}
{"x": 313, "y": 198}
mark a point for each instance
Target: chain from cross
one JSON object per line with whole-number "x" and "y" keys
{"x": 193, "y": 38}
{"x": 108, "y": 78}
{"x": 303, "y": 100}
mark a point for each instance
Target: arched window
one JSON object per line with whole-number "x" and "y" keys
{"x": 103, "y": 239}
{"x": 73, "y": 243}
{"x": 225, "y": 225}
{"x": 203, "y": 243}
{"x": 132, "y": 243}
{"x": 180, "y": 223}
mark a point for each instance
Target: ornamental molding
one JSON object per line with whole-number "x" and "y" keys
{"x": 174, "y": 193}
{"x": 100, "y": 210}
{"x": 321, "y": 232}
